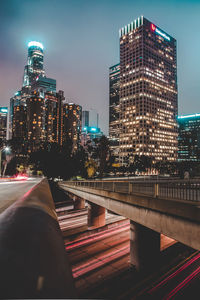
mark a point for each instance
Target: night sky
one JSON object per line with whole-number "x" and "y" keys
{"x": 81, "y": 42}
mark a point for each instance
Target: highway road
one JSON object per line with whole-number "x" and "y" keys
{"x": 182, "y": 282}
{"x": 73, "y": 221}
{"x": 99, "y": 257}
{"x": 12, "y": 190}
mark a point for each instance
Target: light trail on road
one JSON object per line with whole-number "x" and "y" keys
{"x": 177, "y": 281}
{"x": 93, "y": 264}
{"x": 96, "y": 237}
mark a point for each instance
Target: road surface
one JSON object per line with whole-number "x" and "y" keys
{"x": 12, "y": 190}
{"x": 101, "y": 256}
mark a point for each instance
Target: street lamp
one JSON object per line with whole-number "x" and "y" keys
{"x": 6, "y": 149}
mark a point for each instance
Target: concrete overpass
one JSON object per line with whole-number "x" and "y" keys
{"x": 170, "y": 207}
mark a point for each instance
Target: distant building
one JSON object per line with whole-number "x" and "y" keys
{"x": 189, "y": 137}
{"x": 3, "y": 123}
{"x": 35, "y": 122}
{"x": 51, "y": 118}
{"x": 19, "y": 121}
{"x": 34, "y": 109}
{"x": 43, "y": 85}
{"x": 90, "y": 129}
{"x": 85, "y": 118}
{"x": 35, "y": 63}
{"x": 114, "y": 109}
{"x": 90, "y": 133}
{"x": 59, "y": 126}
{"x": 72, "y": 115}
{"x": 90, "y": 118}
{"x": 148, "y": 92}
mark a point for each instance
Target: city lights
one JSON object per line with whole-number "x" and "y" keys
{"x": 35, "y": 44}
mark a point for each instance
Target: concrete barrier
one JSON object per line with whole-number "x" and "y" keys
{"x": 33, "y": 261}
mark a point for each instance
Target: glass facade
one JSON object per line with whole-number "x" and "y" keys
{"x": 189, "y": 138}
{"x": 114, "y": 109}
{"x": 85, "y": 118}
{"x": 3, "y": 123}
{"x": 34, "y": 68}
{"x": 148, "y": 92}
{"x": 43, "y": 85}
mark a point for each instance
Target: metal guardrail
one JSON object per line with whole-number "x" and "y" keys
{"x": 187, "y": 190}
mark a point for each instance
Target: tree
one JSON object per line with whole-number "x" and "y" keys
{"x": 91, "y": 167}
{"x": 11, "y": 168}
{"x": 142, "y": 163}
{"x": 80, "y": 158}
{"x": 103, "y": 154}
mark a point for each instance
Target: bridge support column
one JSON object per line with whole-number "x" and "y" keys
{"x": 96, "y": 215}
{"x": 144, "y": 247}
{"x": 79, "y": 203}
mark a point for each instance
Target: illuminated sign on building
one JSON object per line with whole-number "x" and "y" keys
{"x": 91, "y": 129}
{"x": 159, "y": 32}
{"x": 189, "y": 116}
{"x": 3, "y": 110}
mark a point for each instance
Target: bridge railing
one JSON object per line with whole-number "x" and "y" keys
{"x": 188, "y": 190}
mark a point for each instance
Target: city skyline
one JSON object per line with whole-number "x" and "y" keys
{"x": 71, "y": 56}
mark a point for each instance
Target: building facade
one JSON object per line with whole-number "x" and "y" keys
{"x": 35, "y": 121}
{"x": 72, "y": 116}
{"x": 89, "y": 134}
{"x": 34, "y": 108}
{"x": 51, "y": 117}
{"x": 148, "y": 92}
{"x": 189, "y": 138}
{"x": 3, "y": 123}
{"x": 114, "y": 109}
{"x": 35, "y": 63}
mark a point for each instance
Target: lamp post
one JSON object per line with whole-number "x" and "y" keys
{"x": 6, "y": 149}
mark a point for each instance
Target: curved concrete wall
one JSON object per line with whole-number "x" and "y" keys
{"x": 33, "y": 261}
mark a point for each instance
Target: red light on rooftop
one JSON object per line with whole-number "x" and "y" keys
{"x": 153, "y": 27}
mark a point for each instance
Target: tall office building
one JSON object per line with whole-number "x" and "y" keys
{"x": 19, "y": 121}
{"x": 114, "y": 109}
{"x": 34, "y": 67}
{"x": 85, "y": 118}
{"x": 59, "y": 125}
{"x": 51, "y": 107}
{"x": 38, "y": 97}
{"x": 148, "y": 92}
{"x": 35, "y": 121}
{"x": 90, "y": 118}
{"x": 189, "y": 138}
{"x": 3, "y": 123}
{"x": 72, "y": 115}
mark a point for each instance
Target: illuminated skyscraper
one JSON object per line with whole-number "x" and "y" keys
{"x": 148, "y": 92}
{"x": 114, "y": 108}
{"x": 51, "y": 107}
{"x": 35, "y": 121}
{"x": 72, "y": 115}
{"x": 33, "y": 109}
{"x": 34, "y": 68}
{"x": 189, "y": 138}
